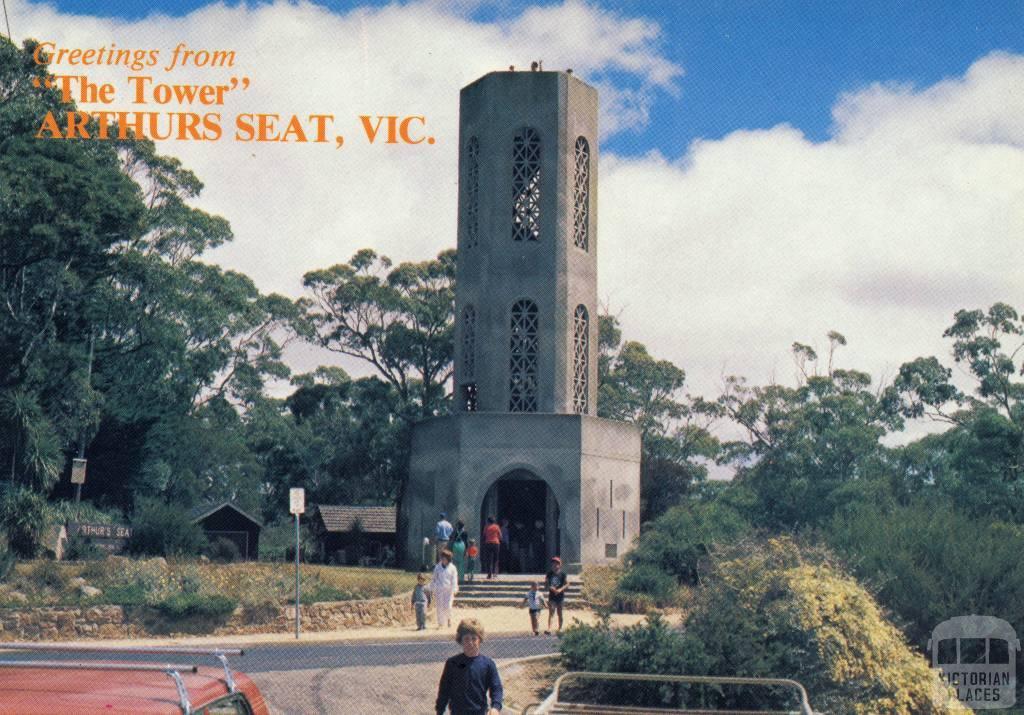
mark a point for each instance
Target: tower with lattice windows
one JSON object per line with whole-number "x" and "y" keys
{"x": 525, "y": 443}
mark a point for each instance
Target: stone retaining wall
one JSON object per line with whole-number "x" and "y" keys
{"x": 113, "y": 622}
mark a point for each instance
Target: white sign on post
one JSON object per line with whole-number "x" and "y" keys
{"x": 297, "y": 500}
{"x": 78, "y": 471}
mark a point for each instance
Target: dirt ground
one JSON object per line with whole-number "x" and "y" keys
{"x": 392, "y": 690}
{"x": 504, "y": 620}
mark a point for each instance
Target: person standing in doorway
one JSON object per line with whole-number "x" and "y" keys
{"x": 492, "y": 543}
{"x": 556, "y": 582}
{"x": 442, "y": 534}
{"x": 443, "y": 586}
{"x": 505, "y": 557}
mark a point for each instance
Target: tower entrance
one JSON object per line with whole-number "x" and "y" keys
{"x": 531, "y": 509}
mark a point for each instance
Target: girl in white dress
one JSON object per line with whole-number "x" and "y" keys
{"x": 444, "y": 585}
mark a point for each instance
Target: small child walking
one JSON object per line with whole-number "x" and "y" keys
{"x": 535, "y": 602}
{"x": 471, "y": 559}
{"x": 420, "y": 600}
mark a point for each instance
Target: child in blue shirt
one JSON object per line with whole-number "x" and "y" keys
{"x": 420, "y": 599}
{"x": 468, "y": 677}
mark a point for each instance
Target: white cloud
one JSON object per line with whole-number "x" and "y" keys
{"x": 298, "y": 207}
{"x": 718, "y": 259}
{"x": 913, "y": 210}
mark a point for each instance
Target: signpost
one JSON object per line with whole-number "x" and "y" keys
{"x": 297, "y": 505}
{"x": 78, "y": 477}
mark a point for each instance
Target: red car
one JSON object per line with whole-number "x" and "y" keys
{"x": 96, "y": 683}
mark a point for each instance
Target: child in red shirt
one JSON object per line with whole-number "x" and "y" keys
{"x": 471, "y": 554}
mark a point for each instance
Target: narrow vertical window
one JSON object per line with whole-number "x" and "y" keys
{"x": 468, "y": 377}
{"x": 581, "y": 361}
{"x": 469, "y": 343}
{"x": 526, "y": 185}
{"x": 581, "y": 196}
{"x": 523, "y": 358}
{"x": 472, "y": 192}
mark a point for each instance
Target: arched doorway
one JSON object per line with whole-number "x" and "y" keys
{"x": 532, "y": 512}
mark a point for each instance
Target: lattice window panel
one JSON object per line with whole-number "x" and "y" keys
{"x": 581, "y": 196}
{"x": 581, "y": 361}
{"x": 526, "y": 185}
{"x": 523, "y": 358}
{"x": 472, "y": 193}
{"x": 468, "y": 343}
{"x": 469, "y": 397}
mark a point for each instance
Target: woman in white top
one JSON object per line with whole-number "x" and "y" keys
{"x": 444, "y": 585}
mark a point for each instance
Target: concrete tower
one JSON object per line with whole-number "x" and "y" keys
{"x": 524, "y": 443}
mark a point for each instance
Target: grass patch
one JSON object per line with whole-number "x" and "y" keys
{"x": 194, "y": 605}
{"x": 137, "y": 582}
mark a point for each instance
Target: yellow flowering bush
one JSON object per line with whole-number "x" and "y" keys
{"x": 776, "y": 609}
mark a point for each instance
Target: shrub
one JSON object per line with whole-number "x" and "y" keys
{"x": 160, "y": 529}
{"x": 49, "y": 574}
{"x": 193, "y": 605}
{"x": 928, "y": 561}
{"x": 649, "y": 581}
{"x": 82, "y": 548}
{"x": 783, "y": 611}
{"x": 127, "y": 594}
{"x": 600, "y": 583}
{"x": 22, "y": 517}
{"x": 677, "y": 542}
{"x": 7, "y": 562}
{"x": 649, "y": 647}
{"x": 768, "y": 610}
{"x": 223, "y": 550}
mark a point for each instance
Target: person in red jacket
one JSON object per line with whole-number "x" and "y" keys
{"x": 492, "y": 545}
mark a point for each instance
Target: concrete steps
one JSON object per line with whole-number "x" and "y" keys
{"x": 509, "y": 590}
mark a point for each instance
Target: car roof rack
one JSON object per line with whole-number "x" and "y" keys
{"x": 173, "y": 671}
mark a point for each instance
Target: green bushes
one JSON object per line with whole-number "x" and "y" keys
{"x": 928, "y": 561}
{"x": 82, "y": 548}
{"x": 194, "y": 605}
{"x": 678, "y": 541}
{"x": 160, "y": 529}
{"x": 22, "y": 517}
{"x": 673, "y": 551}
{"x": 49, "y": 574}
{"x": 773, "y": 610}
{"x": 644, "y": 586}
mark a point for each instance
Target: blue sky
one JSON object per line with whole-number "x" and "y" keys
{"x": 751, "y": 65}
{"x": 718, "y": 253}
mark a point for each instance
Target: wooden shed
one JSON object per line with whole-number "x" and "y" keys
{"x": 355, "y": 534}
{"x": 228, "y": 521}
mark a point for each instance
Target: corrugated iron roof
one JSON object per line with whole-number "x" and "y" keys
{"x": 374, "y": 519}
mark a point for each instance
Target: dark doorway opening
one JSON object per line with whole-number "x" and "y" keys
{"x": 532, "y": 513}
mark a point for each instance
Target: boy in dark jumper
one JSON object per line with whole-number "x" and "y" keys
{"x": 469, "y": 677}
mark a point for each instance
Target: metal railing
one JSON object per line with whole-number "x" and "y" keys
{"x": 553, "y": 705}
{"x": 173, "y": 671}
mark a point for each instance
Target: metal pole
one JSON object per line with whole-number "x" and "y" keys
{"x": 81, "y": 445}
{"x": 298, "y": 597}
